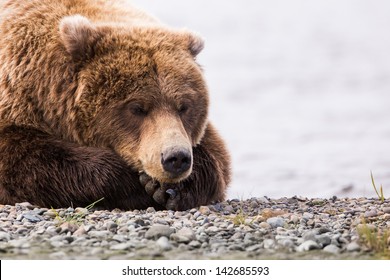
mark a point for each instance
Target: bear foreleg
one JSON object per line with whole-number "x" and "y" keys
{"x": 48, "y": 172}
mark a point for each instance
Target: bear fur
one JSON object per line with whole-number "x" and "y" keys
{"x": 100, "y": 100}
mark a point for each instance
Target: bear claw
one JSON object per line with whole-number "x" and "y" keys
{"x": 171, "y": 192}
{"x": 166, "y": 195}
{"x": 144, "y": 178}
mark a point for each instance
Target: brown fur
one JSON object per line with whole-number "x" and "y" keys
{"x": 94, "y": 92}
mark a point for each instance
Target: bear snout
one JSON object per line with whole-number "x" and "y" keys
{"x": 176, "y": 161}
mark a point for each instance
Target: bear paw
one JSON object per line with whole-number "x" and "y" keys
{"x": 167, "y": 195}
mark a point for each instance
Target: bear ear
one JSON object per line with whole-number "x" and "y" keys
{"x": 79, "y": 36}
{"x": 195, "y": 44}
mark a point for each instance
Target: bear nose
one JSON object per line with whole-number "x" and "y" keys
{"x": 176, "y": 161}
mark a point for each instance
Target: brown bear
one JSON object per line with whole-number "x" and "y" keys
{"x": 100, "y": 100}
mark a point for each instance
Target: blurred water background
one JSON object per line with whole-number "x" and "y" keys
{"x": 300, "y": 91}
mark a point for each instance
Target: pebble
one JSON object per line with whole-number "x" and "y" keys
{"x": 80, "y": 231}
{"x": 275, "y": 222}
{"x": 4, "y": 236}
{"x": 164, "y": 244}
{"x": 323, "y": 239}
{"x": 68, "y": 227}
{"x": 308, "y": 245}
{"x": 81, "y": 211}
{"x": 333, "y": 249}
{"x": 370, "y": 214}
{"x": 307, "y": 216}
{"x": 270, "y": 228}
{"x": 269, "y": 243}
{"x": 204, "y": 210}
{"x": 195, "y": 244}
{"x": 99, "y": 234}
{"x": 32, "y": 217}
{"x": 121, "y": 246}
{"x": 353, "y": 247}
{"x": 156, "y": 231}
{"x": 184, "y": 235}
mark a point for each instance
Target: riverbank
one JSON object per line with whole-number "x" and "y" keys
{"x": 257, "y": 228}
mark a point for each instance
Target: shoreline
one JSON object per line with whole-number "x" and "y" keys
{"x": 256, "y": 228}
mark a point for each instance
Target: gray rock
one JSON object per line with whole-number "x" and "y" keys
{"x": 287, "y": 243}
{"x": 310, "y": 235}
{"x": 21, "y": 230}
{"x": 228, "y": 209}
{"x": 19, "y": 243}
{"x": 51, "y": 213}
{"x": 60, "y": 255}
{"x": 99, "y": 234}
{"x": 89, "y": 227}
{"x": 111, "y": 226}
{"x": 322, "y": 230}
{"x": 164, "y": 244}
{"x": 197, "y": 214}
{"x": 386, "y": 210}
{"x": 121, "y": 246}
{"x": 294, "y": 219}
{"x": 236, "y": 247}
{"x": 184, "y": 235}
{"x": 307, "y": 216}
{"x": 275, "y": 222}
{"x": 323, "y": 239}
{"x": 156, "y": 231}
{"x": 236, "y": 236}
{"x": 57, "y": 238}
{"x": 120, "y": 238}
{"x": 253, "y": 248}
{"x": 248, "y": 238}
{"x": 353, "y": 247}
{"x": 370, "y": 213}
{"x": 26, "y": 205}
{"x": 4, "y": 236}
{"x": 263, "y": 200}
{"x": 269, "y": 243}
{"x": 308, "y": 245}
{"x": 195, "y": 244}
{"x": 212, "y": 230}
{"x": 333, "y": 249}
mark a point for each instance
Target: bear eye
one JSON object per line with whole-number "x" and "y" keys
{"x": 183, "y": 109}
{"x": 138, "y": 110}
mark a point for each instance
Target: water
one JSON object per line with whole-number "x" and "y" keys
{"x": 300, "y": 90}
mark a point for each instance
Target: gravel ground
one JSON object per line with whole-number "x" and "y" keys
{"x": 257, "y": 228}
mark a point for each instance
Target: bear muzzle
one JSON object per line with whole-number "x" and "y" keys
{"x": 176, "y": 161}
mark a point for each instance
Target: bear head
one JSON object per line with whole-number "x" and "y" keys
{"x": 139, "y": 92}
